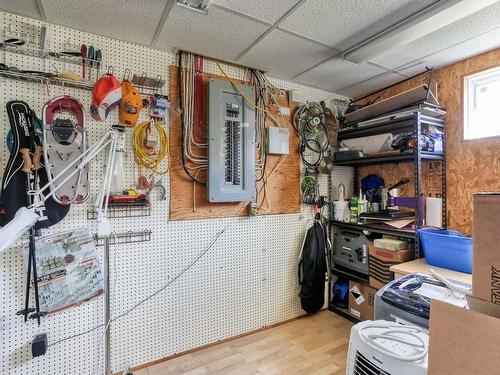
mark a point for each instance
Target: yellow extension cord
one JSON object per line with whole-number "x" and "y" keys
{"x": 151, "y": 162}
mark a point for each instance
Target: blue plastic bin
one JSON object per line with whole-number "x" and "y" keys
{"x": 447, "y": 249}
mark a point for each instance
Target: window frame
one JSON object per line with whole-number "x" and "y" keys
{"x": 465, "y": 103}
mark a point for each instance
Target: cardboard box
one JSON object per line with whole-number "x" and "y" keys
{"x": 361, "y": 300}
{"x": 380, "y": 262}
{"x": 390, "y": 243}
{"x": 486, "y": 257}
{"x": 464, "y": 342}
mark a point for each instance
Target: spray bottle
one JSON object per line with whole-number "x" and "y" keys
{"x": 341, "y": 192}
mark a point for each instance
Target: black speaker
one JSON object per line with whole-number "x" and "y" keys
{"x": 39, "y": 345}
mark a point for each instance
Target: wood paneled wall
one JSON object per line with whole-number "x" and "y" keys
{"x": 472, "y": 166}
{"x": 283, "y": 188}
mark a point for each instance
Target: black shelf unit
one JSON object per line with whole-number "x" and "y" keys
{"x": 389, "y": 124}
{"x": 347, "y": 273}
{"x": 415, "y": 122}
{"x": 390, "y": 158}
{"x": 343, "y": 313}
{"x": 376, "y": 228}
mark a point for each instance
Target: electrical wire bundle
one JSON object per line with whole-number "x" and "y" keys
{"x": 194, "y": 132}
{"x": 260, "y": 127}
{"x": 194, "y": 159}
{"x": 264, "y": 92}
{"x": 309, "y": 122}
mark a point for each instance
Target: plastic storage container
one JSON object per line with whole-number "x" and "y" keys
{"x": 447, "y": 249}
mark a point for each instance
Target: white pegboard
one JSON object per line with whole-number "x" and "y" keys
{"x": 236, "y": 287}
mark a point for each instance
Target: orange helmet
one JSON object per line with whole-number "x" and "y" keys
{"x": 130, "y": 104}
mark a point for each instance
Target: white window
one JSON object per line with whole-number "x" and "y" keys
{"x": 482, "y": 104}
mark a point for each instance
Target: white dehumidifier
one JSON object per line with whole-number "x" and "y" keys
{"x": 386, "y": 348}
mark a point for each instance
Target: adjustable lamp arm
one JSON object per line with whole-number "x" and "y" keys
{"x": 25, "y": 218}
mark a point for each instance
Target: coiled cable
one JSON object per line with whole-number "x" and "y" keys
{"x": 142, "y": 153}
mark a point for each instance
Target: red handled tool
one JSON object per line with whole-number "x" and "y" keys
{"x": 83, "y": 54}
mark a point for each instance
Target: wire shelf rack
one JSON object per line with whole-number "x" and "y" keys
{"x": 45, "y": 78}
{"x": 33, "y": 51}
{"x": 116, "y": 212}
{"x": 125, "y": 237}
{"x": 148, "y": 85}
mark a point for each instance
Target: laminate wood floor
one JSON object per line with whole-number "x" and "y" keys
{"x": 313, "y": 345}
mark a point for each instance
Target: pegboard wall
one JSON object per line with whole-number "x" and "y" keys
{"x": 237, "y": 286}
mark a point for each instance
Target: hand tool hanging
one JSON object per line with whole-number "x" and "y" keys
{"x": 91, "y": 58}
{"x": 98, "y": 59}
{"x": 83, "y": 52}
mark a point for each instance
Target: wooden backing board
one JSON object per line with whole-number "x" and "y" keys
{"x": 283, "y": 187}
{"x": 392, "y": 173}
{"x": 471, "y": 166}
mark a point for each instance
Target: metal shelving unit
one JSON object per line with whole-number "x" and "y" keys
{"x": 376, "y": 228}
{"x": 389, "y": 123}
{"x": 350, "y": 274}
{"x": 391, "y": 158}
{"x": 343, "y": 313}
{"x": 414, "y": 120}
{"x": 415, "y": 123}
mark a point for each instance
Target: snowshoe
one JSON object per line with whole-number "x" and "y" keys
{"x": 65, "y": 139}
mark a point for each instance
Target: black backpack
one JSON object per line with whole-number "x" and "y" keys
{"x": 312, "y": 269}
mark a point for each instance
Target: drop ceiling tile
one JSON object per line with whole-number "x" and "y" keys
{"x": 26, "y": 8}
{"x": 132, "y": 21}
{"x": 468, "y": 49}
{"x": 284, "y": 55}
{"x": 264, "y": 10}
{"x": 336, "y": 74}
{"x": 371, "y": 85}
{"x": 415, "y": 67}
{"x": 218, "y": 34}
{"x": 468, "y": 28}
{"x": 341, "y": 24}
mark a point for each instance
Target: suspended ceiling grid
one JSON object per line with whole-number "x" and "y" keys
{"x": 298, "y": 40}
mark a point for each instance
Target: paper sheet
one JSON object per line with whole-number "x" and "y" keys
{"x": 399, "y": 223}
{"x": 442, "y": 294}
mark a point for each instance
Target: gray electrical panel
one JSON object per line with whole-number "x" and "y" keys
{"x": 231, "y": 143}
